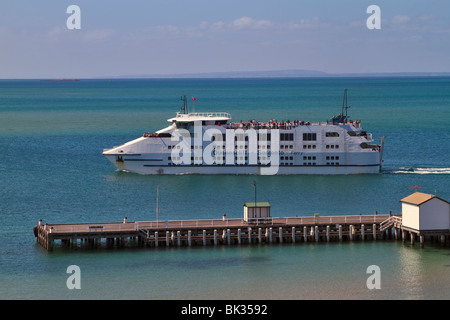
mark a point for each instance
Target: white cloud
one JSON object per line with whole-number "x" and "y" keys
{"x": 61, "y": 33}
{"x": 247, "y": 22}
{"x": 97, "y": 35}
{"x": 307, "y": 24}
{"x": 401, "y": 19}
{"x": 216, "y": 26}
{"x": 203, "y": 29}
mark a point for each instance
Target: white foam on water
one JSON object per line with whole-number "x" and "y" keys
{"x": 405, "y": 170}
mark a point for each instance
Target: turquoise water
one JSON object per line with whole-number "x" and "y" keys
{"x": 52, "y": 135}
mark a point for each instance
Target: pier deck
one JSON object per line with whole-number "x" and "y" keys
{"x": 215, "y": 231}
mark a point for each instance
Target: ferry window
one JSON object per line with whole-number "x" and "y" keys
{"x": 332, "y": 134}
{"x": 337, "y": 146}
{"x": 337, "y": 157}
{"x": 328, "y": 147}
{"x": 286, "y": 136}
{"x": 309, "y": 137}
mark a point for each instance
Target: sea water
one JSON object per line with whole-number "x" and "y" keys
{"x": 52, "y": 134}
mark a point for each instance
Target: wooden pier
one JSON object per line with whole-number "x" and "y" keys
{"x": 220, "y": 232}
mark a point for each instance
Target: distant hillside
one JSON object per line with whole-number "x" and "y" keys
{"x": 239, "y": 74}
{"x": 286, "y": 74}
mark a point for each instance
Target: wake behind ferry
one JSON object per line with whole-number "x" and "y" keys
{"x": 210, "y": 143}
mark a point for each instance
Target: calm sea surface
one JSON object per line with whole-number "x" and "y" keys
{"x": 52, "y": 135}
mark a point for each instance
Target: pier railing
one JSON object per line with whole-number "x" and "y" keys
{"x": 391, "y": 221}
{"x": 209, "y": 223}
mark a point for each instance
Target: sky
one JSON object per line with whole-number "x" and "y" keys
{"x": 148, "y": 37}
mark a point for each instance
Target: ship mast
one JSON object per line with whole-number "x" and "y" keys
{"x": 185, "y": 106}
{"x": 344, "y": 106}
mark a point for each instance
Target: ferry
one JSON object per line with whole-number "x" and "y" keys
{"x": 211, "y": 143}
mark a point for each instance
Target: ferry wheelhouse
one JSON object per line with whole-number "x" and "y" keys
{"x": 211, "y": 143}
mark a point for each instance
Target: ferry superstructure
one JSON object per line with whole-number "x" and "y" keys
{"x": 210, "y": 143}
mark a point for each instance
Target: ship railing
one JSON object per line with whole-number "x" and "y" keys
{"x": 269, "y": 126}
{"x": 205, "y": 114}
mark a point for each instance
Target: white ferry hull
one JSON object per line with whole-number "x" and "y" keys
{"x": 144, "y": 168}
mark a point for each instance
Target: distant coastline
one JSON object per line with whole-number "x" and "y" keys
{"x": 282, "y": 74}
